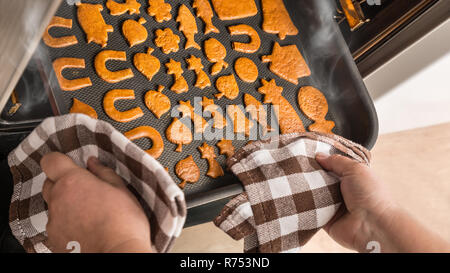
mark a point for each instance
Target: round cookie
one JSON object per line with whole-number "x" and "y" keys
{"x": 246, "y": 69}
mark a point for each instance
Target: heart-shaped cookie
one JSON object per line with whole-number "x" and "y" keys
{"x": 147, "y": 64}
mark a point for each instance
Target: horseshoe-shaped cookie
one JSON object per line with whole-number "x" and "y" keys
{"x": 70, "y": 85}
{"x": 148, "y": 132}
{"x": 59, "y": 42}
{"x": 120, "y": 94}
{"x": 255, "y": 41}
{"x": 107, "y": 75}
{"x": 132, "y": 6}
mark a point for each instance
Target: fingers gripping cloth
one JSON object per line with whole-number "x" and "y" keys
{"x": 80, "y": 137}
{"x": 288, "y": 197}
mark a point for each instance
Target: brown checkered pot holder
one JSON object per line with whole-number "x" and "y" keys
{"x": 80, "y": 137}
{"x": 288, "y": 197}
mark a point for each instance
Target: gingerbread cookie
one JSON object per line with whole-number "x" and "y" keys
{"x": 195, "y": 64}
{"x": 204, "y": 11}
{"x": 178, "y": 133}
{"x": 315, "y": 106}
{"x": 83, "y": 108}
{"x": 214, "y": 168}
{"x": 147, "y": 64}
{"x": 257, "y": 112}
{"x": 60, "y": 41}
{"x": 148, "y": 132}
{"x": 288, "y": 119}
{"x": 255, "y": 41}
{"x": 241, "y": 124}
{"x": 105, "y": 73}
{"x": 227, "y": 86}
{"x": 159, "y": 10}
{"x": 215, "y": 52}
{"x": 234, "y": 9}
{"x": 93, "y": 24}
{"x": 180, "y": 85}
{"x": 226, "y": 147}
{"x": 276, "y": 19}
{"x": 120, "y": 94}
{"x": 219, "y": 121}
{"x": 167, "y": 40}
{"x": 157, "y": 102}
{"x": 132, "y": 6}
{"x": 187, "y": 110}
{"x": 246, "y": 69}
{"x": 287, "y": 63}
{"x": 134, "y": 32}
{"x": 70, "y": 85}
{"x": 188, "y": 26}
{"x": 187, "y": 171}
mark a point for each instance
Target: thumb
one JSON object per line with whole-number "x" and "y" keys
{"x": 106, "y": 174}
{"x": 337, "y": 164}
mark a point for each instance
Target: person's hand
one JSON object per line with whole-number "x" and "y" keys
{"x": 92, "y": 207}
{"x": 370, "y": 215}
{"x": 366, "y": 201}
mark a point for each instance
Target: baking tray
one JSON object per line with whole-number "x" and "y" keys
{"x": 320, "y": 41}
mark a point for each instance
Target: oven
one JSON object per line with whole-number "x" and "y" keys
{"x": 374, "y": 31}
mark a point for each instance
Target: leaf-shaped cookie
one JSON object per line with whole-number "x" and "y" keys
{"x": 178, "y": 133}
{"x": 187, "y": 171}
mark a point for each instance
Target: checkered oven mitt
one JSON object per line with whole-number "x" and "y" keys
{"x": 80, "y": 137}
{"x": 288, "y": 197}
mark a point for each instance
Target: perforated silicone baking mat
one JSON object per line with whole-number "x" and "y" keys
{"x": 319, "y": 40}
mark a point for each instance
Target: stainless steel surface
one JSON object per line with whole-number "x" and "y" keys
{"x": 22, "y": 23}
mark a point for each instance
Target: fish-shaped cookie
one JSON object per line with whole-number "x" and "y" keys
{"x": 205, "y": 12}
{"x": 188, "y": 26}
